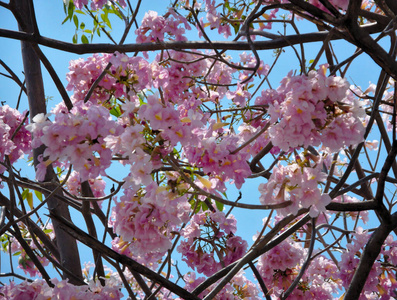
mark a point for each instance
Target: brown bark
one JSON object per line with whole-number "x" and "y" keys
{"x": 67, "y": 246}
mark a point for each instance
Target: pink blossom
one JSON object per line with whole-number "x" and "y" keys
{"x": 79, "y": 138}
{"x": 154, "y": 27}
{"x": 298, "y": 184}
{"x": 147, "y": 221}
{"x": 313, "y": 109}
{"x": 213, "y": 226}
{"x": 63, "y": 290}
{"x": 10, "y": 120}
{"x": 240, "y": 96}
{"x": 95, "y": 4}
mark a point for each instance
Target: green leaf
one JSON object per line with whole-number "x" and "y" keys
{"x": 39, "y": 195}
{"x": 47, "y": 231}
{"x": 115, "y": 111}
{"x": 68, "y": 7}
{"x": 76, "y": 21}
{"x": 236, "y": 27}
{"x": 30, "y": 200}
{"x": 141, "y": 97}
{"x": 25, "y": 194}
{"x": 82, "y": 25}
{"x": 59, "y": 170}
{"x": 4, "y": 242}
{"x": 105, "y": 19}
{"x": 87, "y": 31}
{"x": 22, "y": 262}
{"x": 219, "y": 205}
{"x": 67, "y": 18}
{"x": 75, "y": 39}
{"x": 65, "y": 5}
{"x": 117, "y": 12}
{"x": 28, "y": 196}
{"x": 70, "y": 10}
{"x": 84, "y": 39}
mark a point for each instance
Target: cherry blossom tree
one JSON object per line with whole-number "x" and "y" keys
{"x": 210, "y": 99}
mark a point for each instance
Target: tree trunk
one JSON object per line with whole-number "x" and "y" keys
{"x": 67, "y": 245}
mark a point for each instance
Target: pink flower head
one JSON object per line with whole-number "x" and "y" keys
{"x": 203, "y": 256}
{"x": 78, "y": 137}
{"x": 313, "y": 109}
{"x": 298, "y": 184}
{"x": 147, "y": 221}
{"x": 20, "y": 144}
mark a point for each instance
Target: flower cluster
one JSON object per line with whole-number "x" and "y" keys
{"x": 216, "y": 14}
{"x": 297, "y": 182}
{"x": 281, "y": 259}
{"x": 12, "y": 126}
{"x": 246, "y": 132}
{"x": 155, "y": 28}
{"x": 164, "y": 118}
{"x": 127, "y": 76}
{"x": 216, "y": 158}
{"x": 39, "y": 289}
{"x": 96, "y": 4}
{"x": 83, "y": 73}
{"x": 210, "y": 242}
{"x": 73, "y": 185}
{"x": 76, "y": 137}
{"x": 312, "y": 110}
{"x": 215, "y": 19}
{"x": 181, "y": 76}
{"x": 146, "y": 219}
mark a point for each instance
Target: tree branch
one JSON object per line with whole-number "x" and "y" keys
{"x": 280, "y": 42}
{"x": 368, "y": 257}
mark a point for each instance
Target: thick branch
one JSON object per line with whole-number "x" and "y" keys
{"x": 35, "y": 91}
{"x": 368, "y": 257}
{"x": 283, "y": 41}
{"x": 381, "y": 209}
{"x": 87, "y": 192}
{"x": 356, "y": 206}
